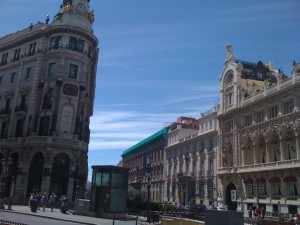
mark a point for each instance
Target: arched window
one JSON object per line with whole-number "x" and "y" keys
{"x": 290, "y": 144}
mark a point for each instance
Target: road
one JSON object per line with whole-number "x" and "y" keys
{"x": 28, "y": 219}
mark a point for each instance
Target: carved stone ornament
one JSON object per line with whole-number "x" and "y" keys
{"x": 70, "y": 89}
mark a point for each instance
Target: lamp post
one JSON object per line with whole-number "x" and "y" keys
{"x": 148, "y": 202}
{"x": 4, "y": 172}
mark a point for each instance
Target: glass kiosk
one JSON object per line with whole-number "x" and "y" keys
{"x": 109, "y": 191}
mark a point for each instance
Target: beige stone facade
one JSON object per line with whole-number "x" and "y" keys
{"x": 47, "y": 88}
{"x": 190, "y": 161}
{"x": 259, "y": 152}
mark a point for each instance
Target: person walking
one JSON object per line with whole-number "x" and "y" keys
{"x": 52, "y": 201}
{"x": 39, "y": 198}
{"x": 44, "y": 201}
{"x": 263, "y": 212}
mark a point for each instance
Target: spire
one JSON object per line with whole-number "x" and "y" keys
{"x": 229, "y": 54}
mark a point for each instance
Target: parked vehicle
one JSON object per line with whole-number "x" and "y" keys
{"x": 64, "y": 205}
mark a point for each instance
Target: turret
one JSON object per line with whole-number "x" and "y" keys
{"x": 75, "y": 13}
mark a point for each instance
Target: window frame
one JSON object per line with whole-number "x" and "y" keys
{"x": 52, "y": 71}
{"x": 73, "y": 66}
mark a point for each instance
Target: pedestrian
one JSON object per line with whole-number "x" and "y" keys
{"x": 39, "y": 198}
{"x": 263, "y": 212}
{"x": 250, "y": 212}
{"x": 30, "y": 199}
{"x": 52, "y": 201}
{"x": 44, "y": 201}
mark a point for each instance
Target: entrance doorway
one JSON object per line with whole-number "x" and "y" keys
{"x": 231, "y": 205}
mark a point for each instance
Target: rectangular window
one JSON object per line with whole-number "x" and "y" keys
{"x": 4, "y": 58}
{"x": 17, "y": 54}
{"x": 211, "y": 165}
{"x": 80, "y": 45}
{"x": 12, "y": 78}
{"x": 101, "y": 179}
{"x": 32, "y": 48}
{"x": 229, "y": 99}
{"x": 19, "y": 128}
{"x": 7, "y": 105}
{"x": 73, "y": 71}
{"x": 56, "y": 42}
{"x": 72, "y": 43}
{"x": 262, "y": 189}
{"x": 288, "y": 107}
{"x": 248, "y": 120}
{"x": 249, "y": 190}
{"x": 211, "y": 145}
{"x": 276, "y": 189}
{"x": 292, "y": 189}
{"x": 3, "y": 130}
{"x": 260, "y": 116}
{"x": 52, "y": 70}
{"x": 28, "y": 73}
{"x": 229, "y": 126}
{"x": 273, "y": 112}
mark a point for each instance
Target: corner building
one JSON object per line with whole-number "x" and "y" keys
{"x": 47, "y": 88}
{"x": 259, "y": 136}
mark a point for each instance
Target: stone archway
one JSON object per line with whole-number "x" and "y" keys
{"x": 60, "y": 174}
{"x": 231, "y": 205}
{"x": 35, "y": 175}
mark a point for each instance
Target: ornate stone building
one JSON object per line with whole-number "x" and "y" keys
{"x": 259, "y": 153}
{"x": 190, "y": 161}
{"x": 146, "y": 160}
{"x": 47, "y": 88}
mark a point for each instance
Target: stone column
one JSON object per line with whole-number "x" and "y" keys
{"x": 191, "y": 163}
{"x": 282, "y": 151}
{"x": 297, "y": 146}
{"x": 184, "y": 164}
{"x": 243, "y": 156}
{"x": 268, "y": 157}
{"x": 198, "y": 164}
{"x": 254, "y": 149}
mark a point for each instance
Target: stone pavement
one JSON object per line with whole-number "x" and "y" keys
{"x": 57, "y": 215}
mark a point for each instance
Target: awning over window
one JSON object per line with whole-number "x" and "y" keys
{"x": 261, "y": 180}
{"x": 274, "y": 180}
{"x": 248, "y": 181}
{"x": 290, "y": 179}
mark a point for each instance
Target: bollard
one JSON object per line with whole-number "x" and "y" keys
{"x": 114, "y": 220}
{"x": 136, "y": 222}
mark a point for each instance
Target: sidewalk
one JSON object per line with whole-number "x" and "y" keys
{"x": 57, "y": 215}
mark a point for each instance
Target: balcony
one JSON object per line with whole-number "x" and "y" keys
{"x": 4, "y": 111}
{"x": 21, "y": 108}
{"x": 66, "y": 47}
{"x": 43, "y": 140}
{"x": 185, "y": 176}
{"x": 279, "y": 165}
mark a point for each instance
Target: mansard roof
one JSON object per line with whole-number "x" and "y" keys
{"x": 257, "y": 71}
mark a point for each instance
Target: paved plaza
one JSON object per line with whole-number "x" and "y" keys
{"x": 57, "y": 215}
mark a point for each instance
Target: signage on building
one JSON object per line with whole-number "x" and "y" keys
{"x": 233, "y": 195}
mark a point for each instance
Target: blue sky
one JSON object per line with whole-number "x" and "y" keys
{"x": 162, "y": 59}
